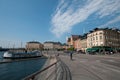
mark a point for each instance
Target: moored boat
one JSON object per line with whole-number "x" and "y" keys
{"x": 18, "y": 55}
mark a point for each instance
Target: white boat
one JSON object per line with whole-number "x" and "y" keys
{"x": 17, "y": 55}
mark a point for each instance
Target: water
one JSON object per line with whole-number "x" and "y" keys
{"x": 19, "y": 70}
{"x": 1, "y": 56}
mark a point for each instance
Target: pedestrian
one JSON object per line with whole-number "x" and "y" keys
{"x": 58, "y": 54}
{"x": 71, "y": 54}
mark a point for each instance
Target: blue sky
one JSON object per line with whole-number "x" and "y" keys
{"x": 54, "y": 20}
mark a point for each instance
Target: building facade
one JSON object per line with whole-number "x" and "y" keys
{"x": 57, "y": 45}
{"x": 48, "y": 45}
{"x": 104, "y": 37}
{"x": 71, "y": 40}
{"x": 65, "y": 46}
{"x": 34, "y": 45}
{"x": 52, "y": 45}
{"x": 81, "y": 44}
{"x": 78, "y": 42}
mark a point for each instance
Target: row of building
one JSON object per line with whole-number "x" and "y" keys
{"x": 49, "y": 45}
{"x": 98, "y": 37}
{"x": 109, "y": 37}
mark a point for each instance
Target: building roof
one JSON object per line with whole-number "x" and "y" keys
{"x": 33, "y": 42}
{"x": 84, "y": 36}
{"x": 68, "y": 40}
{"x": 75, "y": 37}
{"x": 52, "y": 42}
{"x": 105, "y": 29}
{"x": 64, "y": 44}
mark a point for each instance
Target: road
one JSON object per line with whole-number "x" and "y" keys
{"x": 93, "y": 67}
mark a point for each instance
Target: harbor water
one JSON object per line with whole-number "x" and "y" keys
{"x": 20, "y": 69}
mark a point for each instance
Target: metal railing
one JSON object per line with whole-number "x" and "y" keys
{"x": 32, "y": 76}
{"x": 56, "y": 71}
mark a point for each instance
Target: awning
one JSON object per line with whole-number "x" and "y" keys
{"x": 92, "y": 50}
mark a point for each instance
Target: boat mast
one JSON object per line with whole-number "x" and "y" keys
{"x": 21, "y": 44}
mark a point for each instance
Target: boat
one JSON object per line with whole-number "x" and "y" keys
{"x": 19, "y": 55}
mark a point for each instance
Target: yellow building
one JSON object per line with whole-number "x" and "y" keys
{"x": 34, "y": 45}
{"x": 52, "y": 45}
{"x": 104, "y": 37}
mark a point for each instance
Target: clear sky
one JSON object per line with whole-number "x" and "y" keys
{"x": 54, "y": 20}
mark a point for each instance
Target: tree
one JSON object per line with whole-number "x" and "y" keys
{"x": 71, "y": 49}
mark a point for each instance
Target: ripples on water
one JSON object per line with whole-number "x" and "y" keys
{"x": 19, "y": 70}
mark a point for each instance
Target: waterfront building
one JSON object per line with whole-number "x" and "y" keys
{"x": 81, "y": 45}
{"x": 104, "y": 37}
{"x": 49, "y": 45}
{"x": 57, "y": 45}
{"x": 78, "y": 42}
{"x": 65, "y": 46}
{"x": 71, "y": 40}
{"x": 34, "y": 45}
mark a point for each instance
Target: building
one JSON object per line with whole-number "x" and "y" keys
{"x": 52, "y": 45}
{"x": 81, "y": 45}
{"x": 34, "y": 45}
{"x": 78, "y": 42}
{"x": 71, "y": 40}
{"x": 65, "y": 46}
{"x": 48, "y": 45}
{"x": 104, "y": 37}
{"x": 57, "y": 45}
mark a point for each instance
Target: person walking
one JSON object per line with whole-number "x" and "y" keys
{"x": 71, "y": 55}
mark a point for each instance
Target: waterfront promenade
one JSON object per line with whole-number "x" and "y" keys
{"x": 93, "y": 67}
{"x": 81, "y": 67}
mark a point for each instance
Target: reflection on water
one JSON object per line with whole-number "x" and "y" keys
{"x": 1, "y": 55}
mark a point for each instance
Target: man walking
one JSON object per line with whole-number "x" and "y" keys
{"x": 71, "y": 53}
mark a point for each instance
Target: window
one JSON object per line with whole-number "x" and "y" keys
{"x": 97, "y": 44}
{"x": 100, "y": 37}
{"x": 106, "y": 37}
{"x": 96, "y": 38}
{"x": 100, "y": 33}
{"x": 93, "y": 38}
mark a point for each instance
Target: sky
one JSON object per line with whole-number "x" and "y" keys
{"x": 22, "y": 21}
